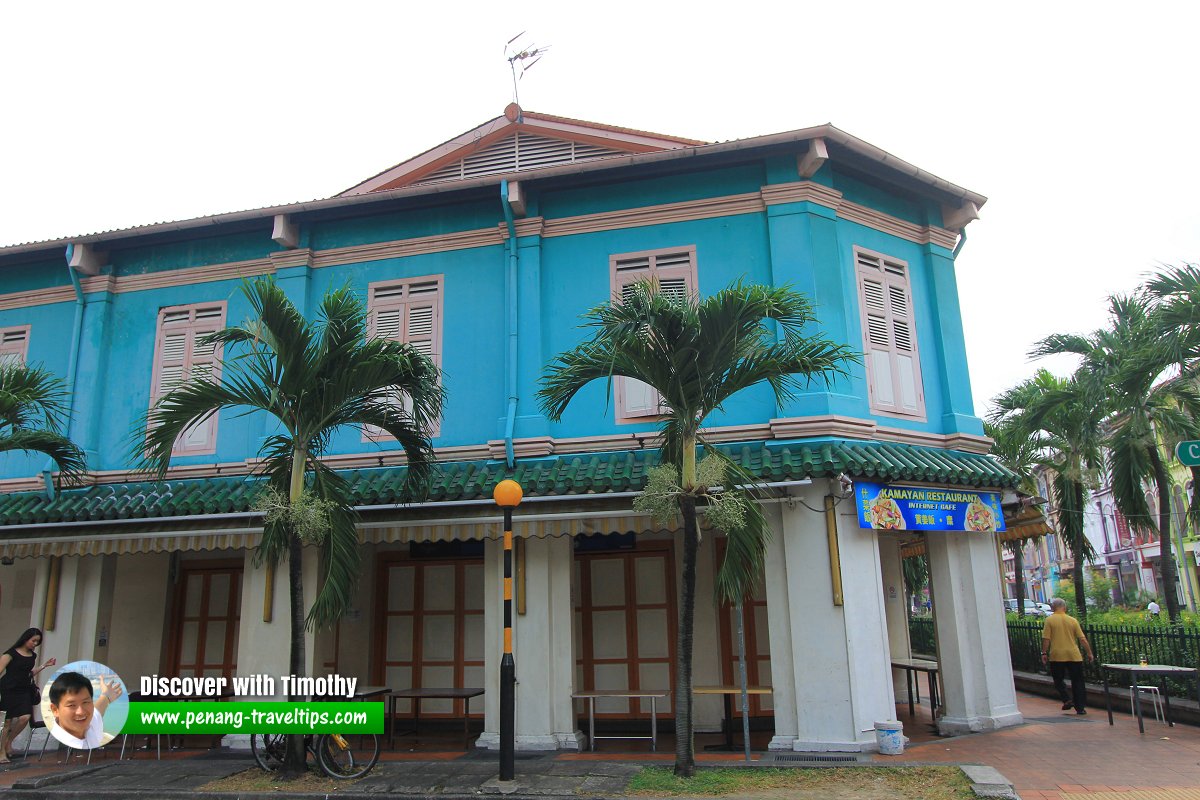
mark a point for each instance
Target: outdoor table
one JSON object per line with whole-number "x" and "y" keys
{"x": 591, "y": 695}
{"x": 432, "y": 693}
{"x": 727, "y": 693}
{"x": 912, "y": 682}
{"x": 367, "y": 692}
{"x": 1163, "y": 671}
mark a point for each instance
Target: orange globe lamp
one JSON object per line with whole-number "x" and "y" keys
{"x": 507, "y": 493}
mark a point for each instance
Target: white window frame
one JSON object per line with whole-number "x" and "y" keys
{"x": 192, "y": 322}
{"x": 394, "y": 296}
{"x": 886, "y": 312}
{"x": 14, "y": 344}
{"x": 664, "y": 264}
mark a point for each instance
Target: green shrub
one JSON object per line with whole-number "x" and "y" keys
{"x": 1099, "y": 593}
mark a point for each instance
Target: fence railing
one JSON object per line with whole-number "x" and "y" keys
{"x": 1113, "y": 644}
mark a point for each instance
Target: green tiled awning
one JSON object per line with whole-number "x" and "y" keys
{"x": 564, "y": 476}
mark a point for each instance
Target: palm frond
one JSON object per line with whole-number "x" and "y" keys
{"x": 71, "y": 461}
{"x": 30, "y": 397}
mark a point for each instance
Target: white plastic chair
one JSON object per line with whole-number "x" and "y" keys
{"x": 1157, "y": 699}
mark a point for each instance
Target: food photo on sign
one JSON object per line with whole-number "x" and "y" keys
{"x": 915, "y": 508}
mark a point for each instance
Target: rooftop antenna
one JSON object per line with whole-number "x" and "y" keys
{"x": 524, "y": 55}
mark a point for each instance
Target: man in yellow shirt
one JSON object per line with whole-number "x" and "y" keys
{"x": 1061, "y": 639}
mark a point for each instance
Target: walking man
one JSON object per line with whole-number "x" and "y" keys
{"x": 1061, "y": 639}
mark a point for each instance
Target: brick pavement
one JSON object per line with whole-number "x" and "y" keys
{"x": 1059, "y": 756}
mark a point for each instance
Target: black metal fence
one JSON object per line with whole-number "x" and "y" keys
{"x": 1177, "y": 645}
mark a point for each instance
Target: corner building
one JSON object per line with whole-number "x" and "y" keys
{"x": 508, "y": 233}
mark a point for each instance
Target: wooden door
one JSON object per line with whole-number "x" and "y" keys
{"x": 204, "y": 637}
{"x": 625, "y": 626}
{"x": 431, "y": 631}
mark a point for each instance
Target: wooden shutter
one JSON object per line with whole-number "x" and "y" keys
{"x": 14, "y": 344}
{"x": 675, "y": 270}
{"x": 889, "y": 335}
{"x": 411, "y": 312}
{"x": 180, "y": 356}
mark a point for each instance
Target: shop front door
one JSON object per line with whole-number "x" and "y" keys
{"x": 204, "y": 636}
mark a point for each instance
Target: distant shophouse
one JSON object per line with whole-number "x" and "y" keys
{"x": 548, "y": 216}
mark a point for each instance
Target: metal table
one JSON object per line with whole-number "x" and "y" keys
{"x": 432, "y": 693}
{"x": 591, "y": 695}
{"x": 367, "y": 692}
{"x": 727, "y": 693}
{"x": 1163, "y": 671}
{"x": 913, "y": 683}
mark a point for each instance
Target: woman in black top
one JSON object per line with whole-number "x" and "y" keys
{"x": 16, "y": 686}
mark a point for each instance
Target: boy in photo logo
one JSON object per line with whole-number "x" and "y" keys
{"x": 78, "y": 720}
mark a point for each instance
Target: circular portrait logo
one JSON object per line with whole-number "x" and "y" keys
{"x": 84, "y": 704}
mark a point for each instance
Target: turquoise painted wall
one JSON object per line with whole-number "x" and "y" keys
{"x": 559, "y": 277}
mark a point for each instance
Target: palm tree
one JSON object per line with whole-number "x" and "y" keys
{"x": 1017, "y": 451}
{"x": 313, "y": 379}
{"x": 1061, "y": 418}
{"x": 31, "y": 415}
{"x": 697, "y": 354}
{"x": 1132, "y": 362}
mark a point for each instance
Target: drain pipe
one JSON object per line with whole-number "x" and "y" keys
{"x": 510, "y": 376}
{"x": 962, "y": 239}
{"x": 72, "y": 362}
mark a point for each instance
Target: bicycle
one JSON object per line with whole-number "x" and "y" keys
{"x": 333, "y": 753}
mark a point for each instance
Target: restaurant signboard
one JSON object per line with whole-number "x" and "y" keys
{"x": 909, "y": 508}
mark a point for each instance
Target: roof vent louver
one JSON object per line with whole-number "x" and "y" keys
{"x": 521, "y": 151}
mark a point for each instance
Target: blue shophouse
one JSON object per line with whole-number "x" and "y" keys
{"x": 483, "y": 252}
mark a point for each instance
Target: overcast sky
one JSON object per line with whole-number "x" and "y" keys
{"x": 1078, "y": 123}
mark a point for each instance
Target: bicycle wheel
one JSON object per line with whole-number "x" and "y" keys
{"x": 339, "y": 760}
{"x": 269, "y": 749}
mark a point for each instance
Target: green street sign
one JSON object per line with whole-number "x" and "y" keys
{"x": 1188, "y": 453}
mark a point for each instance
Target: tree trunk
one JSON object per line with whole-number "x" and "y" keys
{"x": 685, "y": 753}
{"x": 293, "y": 765}
{"x": 1077, "y": 571}
{"x": 294, "y": 762}
{"x": 1166, "y": 557}
{"x": 1019, "y": 569}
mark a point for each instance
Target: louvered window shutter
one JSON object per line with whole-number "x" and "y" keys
{"x": 889, "y": 336}
{"x": 182, "y": 357}
{"x": 408, "y": 312}
{"x": 13, "y": 345}
{"x": 673, "y": 270}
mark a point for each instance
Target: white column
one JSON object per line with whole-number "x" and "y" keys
{"x": 973, "y": 654}
{"x": 896, "y": 613}
{"x": 264, "y": 648}
{"x": 779, "y": 630}
{"x": 141, "y": 595}
{"x": 707, "y": 710}
{"x": 841, "y": 673}
{"x": 543, "y": 646}
{"x": 76, "y": 619}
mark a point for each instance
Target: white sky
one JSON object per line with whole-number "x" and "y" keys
{"x": 1077, "y": 120}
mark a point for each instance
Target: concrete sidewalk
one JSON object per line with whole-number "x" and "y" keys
{"x": 466, "y": 777}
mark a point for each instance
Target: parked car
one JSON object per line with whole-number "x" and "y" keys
{"x": 1032, "y": 609}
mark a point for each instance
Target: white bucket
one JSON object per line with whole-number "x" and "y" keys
{"x": 890, "y": 736}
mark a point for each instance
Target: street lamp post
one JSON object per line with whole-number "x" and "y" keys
{"x": 507, "y": 495}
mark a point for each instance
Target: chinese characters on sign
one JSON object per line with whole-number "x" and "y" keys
{"x": 896, "y": 508}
